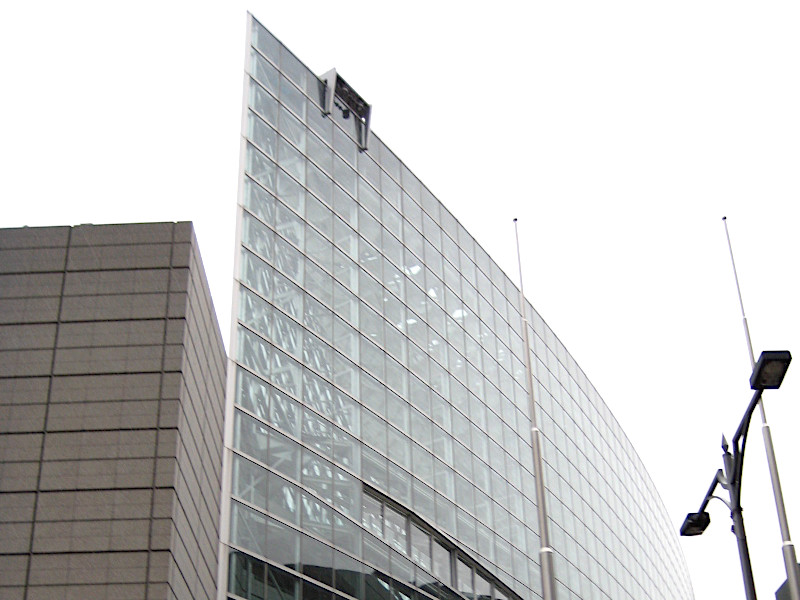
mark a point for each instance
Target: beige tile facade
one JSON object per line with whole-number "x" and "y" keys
{"x": 111, "y": 408}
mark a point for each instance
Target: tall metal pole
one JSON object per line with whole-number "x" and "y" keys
{"x": 733, "y": 485}
{"x": 545, "y": 551}
{"x": 787, "y": 547}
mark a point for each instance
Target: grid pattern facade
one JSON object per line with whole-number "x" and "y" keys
{"x": 379, "y": 435}
{"x": 112, "y": 374}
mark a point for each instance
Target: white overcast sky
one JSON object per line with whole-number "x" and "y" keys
{"x": 618, "y": 132}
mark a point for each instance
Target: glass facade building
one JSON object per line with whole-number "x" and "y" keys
{"x": 377, "y": 430}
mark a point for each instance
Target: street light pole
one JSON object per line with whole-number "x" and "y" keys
{"x": 733, "y": 482}
{"x": 787, "y": 547}
{"x": 767, "y": 374}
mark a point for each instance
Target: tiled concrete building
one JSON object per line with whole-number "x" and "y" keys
{"x": 112, "y": 373}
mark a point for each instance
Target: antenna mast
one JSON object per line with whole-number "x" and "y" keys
{"x": 739, "y": 291}
{"x": 545, "y": 551}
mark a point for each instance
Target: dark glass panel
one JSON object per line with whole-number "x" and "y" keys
{"x": 348, "y": 575}
{"x": 246, "y": 576}
{"x": 317, "y": 560}
{"x": 282, "y": 585}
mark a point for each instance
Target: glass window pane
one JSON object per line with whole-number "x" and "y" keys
{"x": 283, "y": 547}
{"x": 287, "y": 334}
{"x": 315, "y": 592}
{"x": 317, "y": 432}
{"x": 390, "y": 190}
{"x": 319, "y": 282}
{"x": 289, "y": 261}
{"x": 248, "y": 529}
{"x": 246, "y": 576}
{"x": 395, "y": 530}
{"x": 445, "y": 482}
{"x": 259, "y": 202}
{"x": 320, "y": 123}
{"x": 372, "y": 515}
{"x": 260, "y": 168}
{"x": 344, "y": 175}
{"x": 344, "y": 146}
{"x": 265, "y": 41}
{"x": 291, "y": 160}
{"x": 346, "y": 413}
{"x": 374, "y": 468}
{"x": 317, "y": 475}
{"x": 377, "y": 553}
{"x": 293, "y": 98}
{"x": 347, "y": 450}
{"x": 249, "y": 481}
{"x": 445, "y": 514}
{"x": 292, "y": 129}
{"x": 420, "y": 547}
{"x": 347, "y": 535}
{"x": 441, "y": 563}
{"x": 373, "y": 430}
{"x": 423, "y": 500}
{"x": 264, "y": 72}
{"x": 284, "y": 499}
{"x": 318, "y": 318}
{"x": 317, "y": 517}
{"x": 464, "y": 581}
{"x": 318, "y": 183}
{"x": 349, "y": 576}
{"x": 263, "y": 103}
{"x": 317, "y": 560}
{"x": 317, "y": 355}
{"x": 252, "y": 394}
{"x": 466, "y": 529}
{"x": 282, "y": 585}
{"x": 257, "y": 274}
{"x": 346, "y": 493}
{"x": 284, "y": 455}
{"x": 345, "y": 374}
{"x": 483, "y": 588}
{"x": 250, "y": 436}
{"x": 254, "y": 353}
{"x": 262, "y": 135}
{"x": 345, "y": 207}
{"x": 399, "y": 484}
{"x": 257, "y": 236}
{"x": 284, "y": 413}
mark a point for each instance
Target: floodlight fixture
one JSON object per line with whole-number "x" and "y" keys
{"x": 695, "y": 523}
{"x": 770, "y": 369}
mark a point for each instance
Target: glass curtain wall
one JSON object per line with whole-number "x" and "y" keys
{"x": 380, "y": 443}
